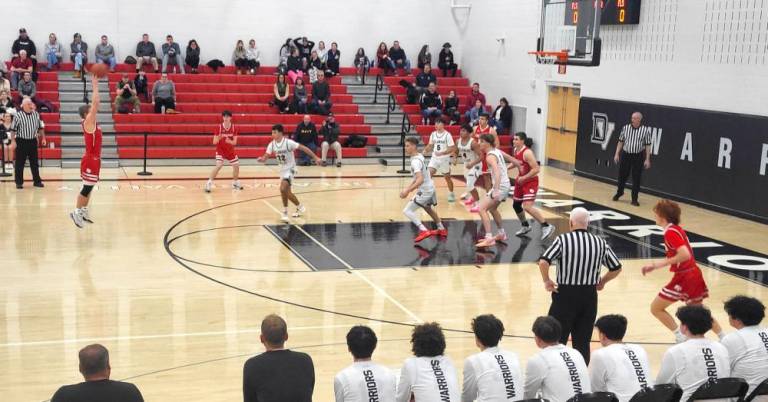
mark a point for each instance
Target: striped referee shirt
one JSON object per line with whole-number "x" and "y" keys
{"x": 635, "y": 139}
{"x": 579, "y": 255}
{"x": 26, "y": 125}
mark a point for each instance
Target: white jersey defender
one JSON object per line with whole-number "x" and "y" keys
{"x": 425, "y": 196}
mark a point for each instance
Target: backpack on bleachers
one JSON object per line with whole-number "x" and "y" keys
{"x": 411, "y": 93}
{"x": 130, "y": 60}
{"x": 356, "y": 141}
{"x": 215, "y": 64}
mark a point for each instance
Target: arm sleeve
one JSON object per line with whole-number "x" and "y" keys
{"x": 674, "y": 239}
{"x": 597, "y": 374}
{"x": 469, "y": 391}
{"x": 338, "y": 389}
{"x": 554, "y": 251}
{"x": 667, "y": 371}
{"x": 249, "y": 393}
{"x": 534, "y": 377}
{"x": 137, "y": 394}
{"x": 623, "y": 134}
{"x": 610, "y": 260}
{"x": 404, "y": 386}
{"x": 647, "y": 136}
{"x": 291, "y": 145}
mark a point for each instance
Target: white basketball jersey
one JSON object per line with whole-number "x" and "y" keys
{"x": 365, "y": 381}
{"x": 620, "y": 368}
{"x": 419, "y": 165}
{"x": 558, "y": 373}
{"x": 493, "y": 375}
{"x": 441, "y": 142}
{"x": 429, "y": 379}
{"x": 692, "y": 363}
{"x": 283, "y": 152}
{"x": 503, "y": 173}
{"x": 748, "y": 350}
{"x": 465, "y": 151}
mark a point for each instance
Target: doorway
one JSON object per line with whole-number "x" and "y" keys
{"x": 562, "y": 126}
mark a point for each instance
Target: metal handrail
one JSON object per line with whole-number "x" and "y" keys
{"x": 405, "y": 128}
{"x": 391, "y": 105}
{"x": 379, "y": 87}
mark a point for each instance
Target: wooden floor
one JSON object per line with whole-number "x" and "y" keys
{"x": 185, "y": 336}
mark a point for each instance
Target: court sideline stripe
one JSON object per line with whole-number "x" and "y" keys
{"x": 352, "y": 269}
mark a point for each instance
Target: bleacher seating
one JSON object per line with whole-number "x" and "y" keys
{"x": 48, "y": 89}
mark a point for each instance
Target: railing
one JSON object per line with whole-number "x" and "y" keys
{"x": 405, "y": 128}
{"x": 144, "y": 171}
{"x": 379, "y": 87}
{"x": 391, "y": 105}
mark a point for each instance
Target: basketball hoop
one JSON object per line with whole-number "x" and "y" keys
{"x": 551, "y": 58}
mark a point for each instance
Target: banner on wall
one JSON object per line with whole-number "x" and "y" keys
{"x": 713, "y": 159}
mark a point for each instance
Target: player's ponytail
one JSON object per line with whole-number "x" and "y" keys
{"x": 524, "y": 137}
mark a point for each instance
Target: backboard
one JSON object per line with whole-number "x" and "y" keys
{"x": 572, "y": 26}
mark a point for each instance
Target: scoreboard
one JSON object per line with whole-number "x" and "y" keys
{"x": 613, "y": 12}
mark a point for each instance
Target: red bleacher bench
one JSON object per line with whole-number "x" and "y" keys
{"x": 213, "y": 118}
{"x": 208, "y": 128}
{"x": 238, "y": 108}
{"x": 208, "y": 152}
{"x": 124, "y": 140}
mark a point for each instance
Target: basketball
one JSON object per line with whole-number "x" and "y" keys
{"x": 99, "y": 69}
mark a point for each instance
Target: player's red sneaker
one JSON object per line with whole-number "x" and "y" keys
{"x": 423, "y": 235}
{"x": 487, "y": 242}
{"x": 440, "y": 232}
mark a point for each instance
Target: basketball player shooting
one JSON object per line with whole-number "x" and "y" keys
{"x": 90, "y": 164}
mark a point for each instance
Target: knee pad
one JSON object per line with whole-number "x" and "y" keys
{"x": 86, "y": 190}
{"x": 518, "y": 206}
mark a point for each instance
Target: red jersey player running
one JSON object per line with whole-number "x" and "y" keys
{"x": 90, "y": 164}
{"x": 687, "y": 284}
{"x": 527, "y": 185}
{"x": 225, "y": 139}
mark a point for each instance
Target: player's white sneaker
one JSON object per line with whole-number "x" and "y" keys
{"x": 284, "y": 216}
{"x": 523, "y": 230}
{"x": 86, "y": 215}
{"x": 451, "y": 197}
{"x": 547, "y": 231}
{"x": 236, "y": 185}
{"x": 299, "y": 210}
{"x": 208, "y": 187}
{"x": 76, "y": 218}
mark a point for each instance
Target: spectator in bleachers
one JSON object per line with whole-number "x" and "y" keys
{"x": 300, "y": 97}
{"x": 285, "y": 51}
{"x": 451, "y": 109}
{"x": 618, "y": 367}
{"x": 333, "y": 61}
{"x": 9, "y": 145}
{"x": 748, "y": 346}
{"x": 322, "y": 52}
{"x": 53, "y": 51}
{"x": 146, "y": 53}
{"x": 239, "y": 58}
{"x": 27, "y": 88}
{"x": 19, "y": 66}
{"x": 445, "y": 60}
{"x": 361, "y": 63}
{"x": 95, "y": 368}
{"x": 315, "y": 65}
{"x": 306, "y": 134}
{"x": 431, "y": 105}
{"x": 557, "y": 372}
{"x": 692, "y": 363}
{"x": 5, "y": 85}
{"x": 282, "y": 91}
{"x": 382, "y": 59}
{"x": 502, "y": 116}
{"x": 105, "y": 53}
{"x": 126, "y": 98}
{"x": 321, "y": 95}
{"x": 424, "y": 57}
{"x": 474, "y": 113}
{"x": 141, "y": 84}
{"x": 294, "y": 65}
{"x": 192, "y": 57}
{"x": 429, "y": 376}
{"x": 397, "y": 58}
{"x": 172, "y": 52}
{"x": 23, "y": 42}
{"x": 424, "y": 78}
{"x": 78, "y": 53}
{"x": 473, "y": 97}
{"x": 330, "y": 132}
{"x": 278, "y": 374}
{"x": 164, "y": 95}
{"x": 304, "y": 47}
{"x": 253, "y": 55}
{"x": 364, "y": 380}
{"x": 5, "y": 100}
{"x": 494, "y": 374}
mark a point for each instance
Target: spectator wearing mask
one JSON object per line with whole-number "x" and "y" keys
{"x": 141, "y": 84}
{"x": 126, "y": 99}
{"x": 305, "y": 50}
{"x": 300, "y": 97}
{"x": 95, "y": 368}
{"x": 192, "y": 57}
{"x": 382, "y": 59}
{"x": 23, "y": 42}
{"x": 321, "y": 95}
{"x": 333, "y": 61}
{"x": 20, "y": 66}
{"x": 282, "y": 92}
{"x": 294, "y": 65}
{"x": 431, "y": 104}
{"x": 425, "y": 78}
{"x": 78, "y": 53}
{"x": 306, "y": 134}
{"x": 398, "y": 59}
{"x": 361, "y": 63}
{"x": 164, "y": 95}
{"x": 253, "y": 55}
{"x": 239, "y": 58}
{"x": 452, "y": 108}
{"x": 105, "y": 53}
{"x": 445, "y": 61}
{"x": 330, "y": 132}
{"x": 502, "y": 116}
{"x": 424, "y": 58}
{"x": 172, "y": 52}
{"x": 472, "y": 99}
{"x": 53, "y": 51}
{"x": 146, "y": 53}
{"x": 429, "y": 375}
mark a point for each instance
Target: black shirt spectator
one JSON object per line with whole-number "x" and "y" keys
{"x": 146, "y": 53}
{"x": 445, "y": 60}
{"x": 424, "y": 58}
{"x": 502, "y": 116}
{"x": 397, "y": 54}
{"x": 192, "y": 57}
{"x": 305, "y": 47}
{"x": 431, "y": 98}
{"x": 141, "y": 84}
{"x": 321, "y": 95}
{"x": 25, "y": 43}
{"x": 425, "y": 77}
{"x": 94, "y": 366}
{"x": 278, "y": 375}
{"x": 306, "y": 132}
{"x": 293, "y": 63}
{"x": 332, "y": 63}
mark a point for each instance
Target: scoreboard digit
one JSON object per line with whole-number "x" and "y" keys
{"x": 613, "y": 12}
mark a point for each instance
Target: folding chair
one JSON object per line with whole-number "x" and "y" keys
{"x": 729, "y": 387}
{"x": 659, "y": 393}
{"x": 595, "y": 397}
{"x": 762, "y": 389}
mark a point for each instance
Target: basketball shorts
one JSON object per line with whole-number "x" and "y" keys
{"x": 425, "y": 199}
{"x": 230, "y": 157}
{"x": 471, "y": 176}
{"x": 526, "y": 191}
{"x": 287, "y": 174}
{"x": 688, "y": 287}
{"x": 441, "y": 165}
{"x": 89, "y": 170}
{"x": 503, "y": 193}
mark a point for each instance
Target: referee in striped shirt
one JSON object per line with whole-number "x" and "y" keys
{"x": 633, "y": 153}
{"x": 27, "y": 127}
{"x": 578, "y": 255}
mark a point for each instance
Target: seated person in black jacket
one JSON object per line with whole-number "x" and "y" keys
{"x": 278, "y": 374}
{"x": 321, "y": 95}
{"x": 424, "y": 78}
{"x": 141, "y": 84}
{"x": 445, "y": 61}
{"x": 431, "y": 104}
{"x": 452, "y": 108}
{"x": 502, "y": 116}
{"x": 398, "y": 59}
{"x": 94, "y": 366}
{"x": 333, "y": 60}
{"x": 330, "y": 132}
{"x": 305, "y": 50}
{"x": 306, "y": 134}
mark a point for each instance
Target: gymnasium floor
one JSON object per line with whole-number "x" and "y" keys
{"x": 175, "y": 281}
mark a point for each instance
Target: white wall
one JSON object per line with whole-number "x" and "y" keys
{"x": 217, "y": 25}
{"x": 705, "y": 54}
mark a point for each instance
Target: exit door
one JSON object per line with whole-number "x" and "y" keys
{"x": 562, "y": 126}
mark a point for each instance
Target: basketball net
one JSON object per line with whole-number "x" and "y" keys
{"x": 547, "y": 59}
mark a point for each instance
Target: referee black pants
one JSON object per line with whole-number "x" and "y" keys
{"x": 575, "y": 307}
{"x": 26, "y": 149}
{"x": 634, "y": 163}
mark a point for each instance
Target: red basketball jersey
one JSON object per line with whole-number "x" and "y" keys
{"x": 92, "y": 141}
{"x": 476, "y": 135}
{"x": 674, "y": 238}
{"x": 222, "y": 147}
{"x": 524, "y": 166}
